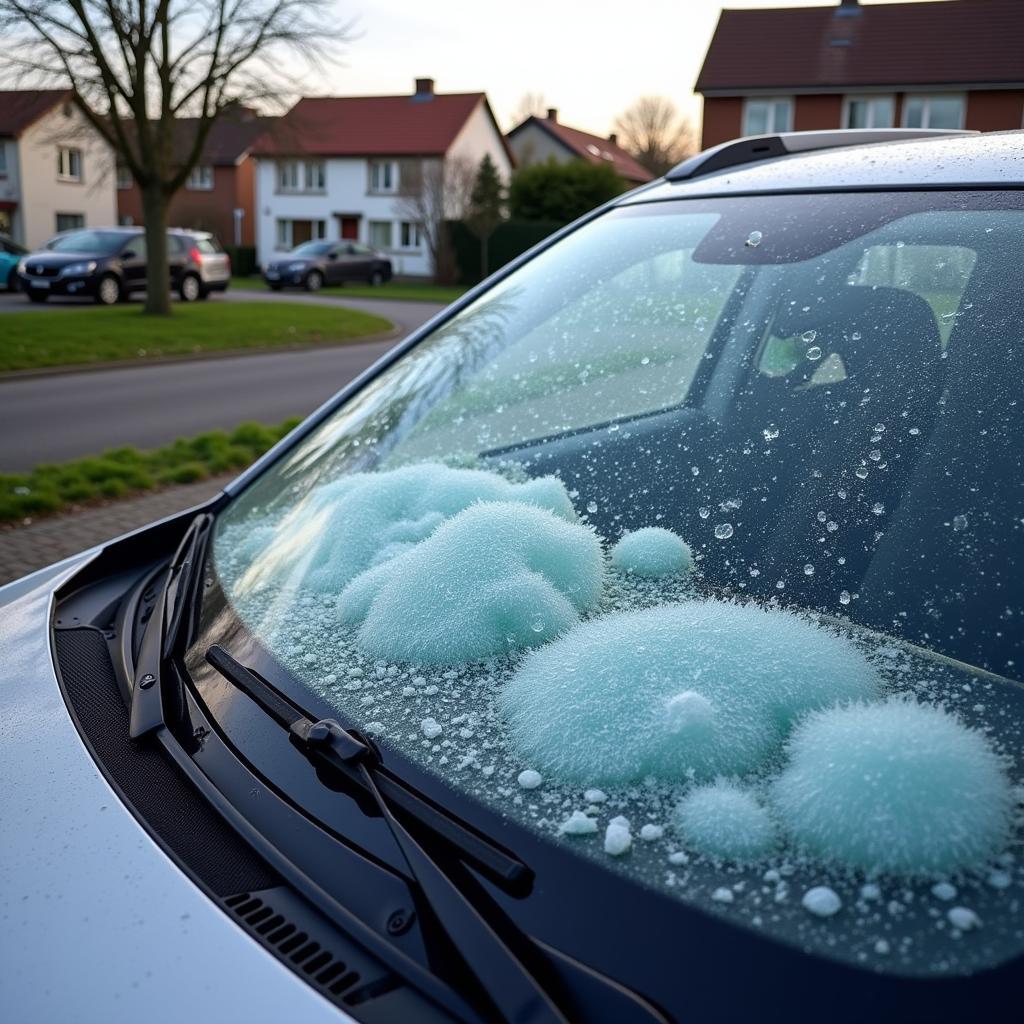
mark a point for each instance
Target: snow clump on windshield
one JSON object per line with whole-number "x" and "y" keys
{"x": 724, "y": 821}
{"x": 894, "y": 786}
{"x": 652, "y": 551}
{"x": 497, "y": 577}
{"x": 692, "y": 690}
{"x": 348, "y": 525}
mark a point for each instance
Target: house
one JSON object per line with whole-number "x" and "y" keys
{"x": 56, "y": 170}
{"x": 948, "y": 64}
{"x": 340, "y": 166}
{"x": 219, "y": 194}
{"x": 544, "y": 138}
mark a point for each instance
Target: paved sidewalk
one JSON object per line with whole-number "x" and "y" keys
{"x": 23, "y": 549}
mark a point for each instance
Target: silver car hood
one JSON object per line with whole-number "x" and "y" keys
{"x": 98, "y": 923}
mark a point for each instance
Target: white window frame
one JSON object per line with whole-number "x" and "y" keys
{"x": 770, "y": 126}
{"x": 926, "y": 99}
{"x": 69, "y": 163}
{"x": 383, "y": 177}
{"x": 288, "y": 174}
{"x": 410, "y": 235}
{"x": 314, "y": 176}
{"x": 372, "y": 242}
{"x": 200, "y": 178}
{"x": 870, "y": 98}
{"x": 64, "y": 213}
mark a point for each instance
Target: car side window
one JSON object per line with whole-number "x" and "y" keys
{"x": 136, "y": 246}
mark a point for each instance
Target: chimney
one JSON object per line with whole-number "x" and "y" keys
{"x": 553, "y": 114}
{"x": 424, "y": 87}
{"x": 613, "y": 139}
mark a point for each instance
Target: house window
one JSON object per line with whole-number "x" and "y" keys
{"x": 124, "y": 177}
{"x": 291, "y": 233}
{"x": 69, "y": 163}
{"x": 70, "y": 221}
{"x": 410, "y": 235}
{"x": 383, "y": 176}
{"x": 763, "y": 116}
{"x": 380, "y": 234}
{"x": 869, "y": 112}
{"x": 315, "y": 177}
{"x": 3, "y": 160}
{"x": 200, "y": 178}
{"x": 941, "y": 111}
{"x": 301, "y": 176}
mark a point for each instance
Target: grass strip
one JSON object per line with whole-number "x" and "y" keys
{"x": 122, "y": 472}
{"x": 84, "y": 334}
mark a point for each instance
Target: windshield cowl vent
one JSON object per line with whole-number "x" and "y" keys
{"x": 311, "y": 947}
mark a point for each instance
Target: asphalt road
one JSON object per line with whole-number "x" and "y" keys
{"x": 64, "y": 416}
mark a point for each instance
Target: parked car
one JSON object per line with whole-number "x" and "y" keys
{"x": 314, "y": 264}
{"x": 10, "y": 253}
{"x": 637, "y": 641}
{"x": 108, "y": 264}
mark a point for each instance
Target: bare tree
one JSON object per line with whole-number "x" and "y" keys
{"x": 430, "y": 193}
{"x": 531, "y": 104}
{"x": 135, "y": 66}
{"x": 653, "y": 130}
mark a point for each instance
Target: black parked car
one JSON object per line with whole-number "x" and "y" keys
{"x": 314, "y": 264}
{"x": 110, "y": 263}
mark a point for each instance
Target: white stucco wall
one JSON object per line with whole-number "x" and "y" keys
{"x": 533, "y": 145}
{"x": 479, "y": 136}
{"x": 44, "y": 195}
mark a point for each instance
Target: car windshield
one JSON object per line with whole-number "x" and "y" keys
{"x": 312, "y": 249}
{"x": 100, "y": 242}
{"x": 694, "y": 546}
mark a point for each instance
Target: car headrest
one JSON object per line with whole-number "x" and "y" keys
{"x": 866, "y": 325}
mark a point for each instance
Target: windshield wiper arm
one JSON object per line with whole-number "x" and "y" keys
{"x": 174, "y": 602}
{"x": 495, "y": 966}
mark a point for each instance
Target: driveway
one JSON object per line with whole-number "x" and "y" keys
{"x": 64, "y": 416}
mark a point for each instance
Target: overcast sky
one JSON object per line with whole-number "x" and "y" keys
{"x": 589, "y": 58}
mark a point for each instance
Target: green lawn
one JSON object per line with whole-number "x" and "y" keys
{"x": 391, "y": 290}
{"x": 124, "y": 471}
{"x": 63, "y": 337}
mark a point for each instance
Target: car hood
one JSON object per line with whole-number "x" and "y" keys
{"x": 95, "y": 914}
{"x": 62, "y": 259}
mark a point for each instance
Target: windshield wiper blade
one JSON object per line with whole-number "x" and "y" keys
{"x": 494, "y": 965}
{"x": 174, "y": 602}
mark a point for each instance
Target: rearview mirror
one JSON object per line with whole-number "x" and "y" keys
{"x": 128, "y": 254}
{"x": 332, "y": 255}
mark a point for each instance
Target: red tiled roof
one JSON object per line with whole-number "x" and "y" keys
{"x": 371, "y": 125}
{"x": 952, "y": 42}
{"x": 230, "y": 136}
{"x": 594, "y": 148}
{"x": 23, "y": 107}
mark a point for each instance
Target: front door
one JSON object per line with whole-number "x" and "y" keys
{"x": 349, "y": 225}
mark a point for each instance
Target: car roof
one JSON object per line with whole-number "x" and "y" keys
{"x": 953, "y": 161}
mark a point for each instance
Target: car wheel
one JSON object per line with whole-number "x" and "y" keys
{"x": 276, "y": 287}
{"x": 108, "y": 292}
{"x": 37, "y": 296}
{"x": 376, "y": 279}
{"x": 314, "y": 281}
{"x": 190, "y": 289}
{"x": 12, "y": 280}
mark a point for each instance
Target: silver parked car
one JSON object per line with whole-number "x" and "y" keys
{"x": 207, "y": 255}
{"x": 639, "y": 641}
